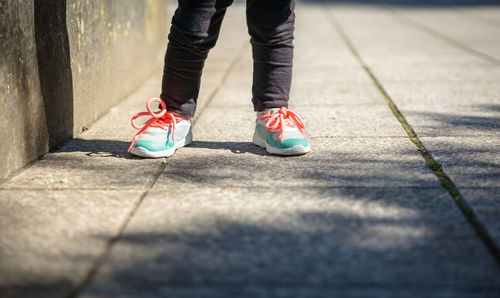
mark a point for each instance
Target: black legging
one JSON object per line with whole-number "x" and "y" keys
{"x": 194, "y": 31}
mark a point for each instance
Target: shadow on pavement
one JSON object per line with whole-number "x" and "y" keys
{"x": 365, "y": 243}
{"x": 37, "y": 289}
{"x": 484, "y": 119}
{"x": 118, "y": 149}
{"x": 234, "y": 147}
{"x": 97, "y": 148}
{"x": 372, "y": 222}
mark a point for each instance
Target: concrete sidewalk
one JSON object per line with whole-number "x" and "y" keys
{"x": 388, "y": 94}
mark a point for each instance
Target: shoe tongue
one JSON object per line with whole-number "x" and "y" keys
{"x": 267, "y": 111}
{"x": 274, "y": 110}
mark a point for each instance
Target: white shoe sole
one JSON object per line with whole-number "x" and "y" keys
{"x": 295, "y": 150}
{"x": 143, "y": 152}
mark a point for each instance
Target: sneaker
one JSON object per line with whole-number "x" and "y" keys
{"x": 280, "y": 131}
{"x": 161, "y": 135}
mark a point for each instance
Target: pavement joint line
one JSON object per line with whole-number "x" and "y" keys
{"x": 433, "y": 164}
{"x": 101, "y": 258}
{"x": 442, "y": 37}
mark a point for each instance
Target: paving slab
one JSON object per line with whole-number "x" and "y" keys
{"x": 309, "y": 57}
{"x": 234, "y": 42}
{"x": 475, "y": 120}
{"x": 454, "y": 106}
{"x": 296, "y": 242}
{"x": 88, "y": 164}
{"x": 49, "y": 238}
{"x": 310, "y": 87}
{"x": 322, "y": 92}
{"x": 330, "y": 121}
{"x": 370, "y": 120}
{"x": 325, "y": 73}
{"x": 455, "y": 25}
{"x": 484, "y": 13}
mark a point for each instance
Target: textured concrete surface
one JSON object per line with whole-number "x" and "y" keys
{"x": 457, "y": 27}
{"x": 360, "y": 216}
{"x": 50, "y": 237}
{"x": 334, "y": 162}
{"x": 485, "y": 202}
{"x": 295, "y": 242}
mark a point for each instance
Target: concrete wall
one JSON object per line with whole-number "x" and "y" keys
{"x": 63, "y": 63}
{"x": 114, "y": 44}
{"x": 23, "y": 129}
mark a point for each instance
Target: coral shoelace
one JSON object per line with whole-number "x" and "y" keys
{"x": 162, "y": 119}
{"x": 278, "y": 120}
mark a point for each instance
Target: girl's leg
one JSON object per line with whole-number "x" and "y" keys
{"x": 271, "y": 26}
{"x": 194, "y": 31}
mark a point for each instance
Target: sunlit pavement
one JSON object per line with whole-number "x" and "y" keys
{"x": 398, "y": 198}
